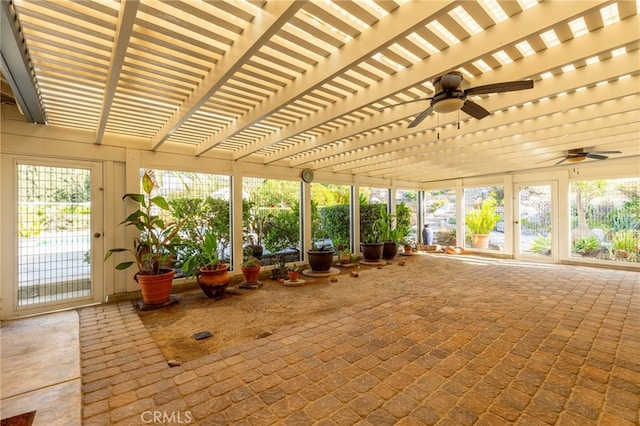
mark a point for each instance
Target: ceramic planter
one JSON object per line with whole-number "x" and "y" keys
{"x": 389, "y": 250}
{"x": 251, "y": 273}
{"x": 480, "y": 240}
{"x": 320, "y": 261}
{"x": 214, "y": 282}
{"x": 371, "y": 252}
{"x": 156, "y": 289}
{"x": 293, "y": 275}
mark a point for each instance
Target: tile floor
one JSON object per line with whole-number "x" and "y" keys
{"x": 468, "y": 341}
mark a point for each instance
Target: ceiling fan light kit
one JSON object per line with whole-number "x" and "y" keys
{"x": 448, "y": 105}
{"x": 450, "y": 96}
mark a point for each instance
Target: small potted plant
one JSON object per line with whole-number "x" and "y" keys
{"x": 293, "y": 272}
{"x": 372, "y": 246}
{"x": 251, "y": 270}
{"x": 155, "y": 246}
{"x": 203, "y": 262}
{"x": 320, "y": 257}
{"x": 481, "y": 221}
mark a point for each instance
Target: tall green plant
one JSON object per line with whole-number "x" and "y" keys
{"x": 483, "y": 219}
{"x": 157, "y": 240}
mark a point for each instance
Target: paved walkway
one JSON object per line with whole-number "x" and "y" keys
{"x": 470, "y": 341}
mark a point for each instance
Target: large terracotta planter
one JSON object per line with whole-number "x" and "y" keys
{"x": 156, "y": 289}
{"x": 214, "y": 282}
{"x": 320, "y": 261}
{"x": 251, "y": 273}
{"x": 389, "y": 250}
{"x": 371, "y": 252}
{"x": 480, "y": 240}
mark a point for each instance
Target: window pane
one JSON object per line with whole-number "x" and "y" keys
{"x": 605, "y": 219}
{"x": 370, "y": 201}
{"x": 202, "y": 202}
{"x": 271, "y": 215}
{"x": 331, "y": 215}
{"x": 440, "y": 216}
{"x": 484, "y": 217}
{"x": 54, "y": 235}
{"x": 410, "y": 200}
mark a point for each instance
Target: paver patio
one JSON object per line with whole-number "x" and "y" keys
{"x": 469, "y": 341}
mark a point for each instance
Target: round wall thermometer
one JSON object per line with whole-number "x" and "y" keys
{"x": 307, "y": 175}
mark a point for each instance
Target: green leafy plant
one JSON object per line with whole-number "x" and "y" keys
{"x": 625, "y": 240}
{"x": 482, "y": 220}
{"x": 157, "y": 242}
{"x": 584, "y": 244}
{"x": 201, "y": 254}
{"x": 542, "y": 244}
{"x": 251, "y": 262}
{"x": 293, "y": 268}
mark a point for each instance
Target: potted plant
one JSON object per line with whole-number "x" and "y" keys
{"x": 344, "y": 256}
{"x": 480, "y": 222}
{"x": 320, "y": 257}
{"x": 293, "y": 272}
{"x": 153, "y": 248}
{"x": 386, "y": 233}
{"x": 251, "y": 270}
{"x": 371, "y": 247}
{"x": 203, "y": 262}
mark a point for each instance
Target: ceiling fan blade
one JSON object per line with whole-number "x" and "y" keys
{"x": 450, "y": 81}
{"x": 561, "y": 161}
{"x": 474, "y": 110}
{"x": 605, "y": 152}
{"x": 405, "y": 102}
{"x": 551, "y": 159}
{"x": 596, "y": 156}
{"x": 420, "y": 117}
{"x": 507, "y": 86}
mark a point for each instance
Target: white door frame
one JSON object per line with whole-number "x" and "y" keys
{"x": 9, "y": 261}
{"x": 555, "y": 255}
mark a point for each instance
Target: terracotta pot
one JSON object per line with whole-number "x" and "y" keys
{"x": 214, "y": 282}
{"x": 156, "y": 289}
{"x": 251, "y": 273}
{"x": 293, "y": 275}
{"x": 389, "y": 250}
{"x": 371, "y": 252}
{"x": 480, "y": 240}
{"x": 320, "y": 261}
{"x": 408, "y": 249}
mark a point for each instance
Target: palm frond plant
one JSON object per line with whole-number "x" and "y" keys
{"x": 481, "y": 221}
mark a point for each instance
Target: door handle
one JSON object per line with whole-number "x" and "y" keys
{"x": 97, "y": 235}
{"x": 516, "y": 222}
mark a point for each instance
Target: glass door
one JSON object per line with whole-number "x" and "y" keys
{"x": 535, "y": 222}
{"x": 59, "y": 227}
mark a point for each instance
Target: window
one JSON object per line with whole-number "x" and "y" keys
{"x": 484, "y": 217}
{"x": 440, "y": 216}
{"x": 331, "y": 215}
{"x": 271, "y": 216}
{"x": 605, "y": 219}
{"x": 202, "y": 202}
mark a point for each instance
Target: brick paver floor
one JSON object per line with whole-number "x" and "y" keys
{"x": 469, "y": 341}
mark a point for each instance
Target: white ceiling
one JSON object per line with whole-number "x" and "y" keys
{"x": 301, "y": 84}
